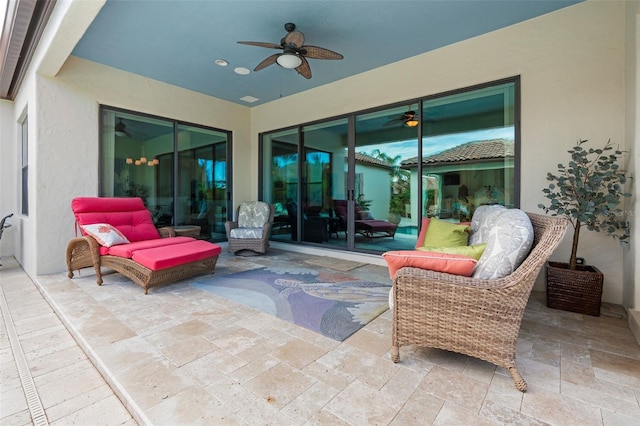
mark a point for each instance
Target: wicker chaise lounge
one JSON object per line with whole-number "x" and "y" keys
{"x": 151, "y": 256}
{"x": 479, "y": 318}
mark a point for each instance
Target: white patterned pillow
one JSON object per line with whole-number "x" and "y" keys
{"x": 253, "y": 214}
{"x": 484, "y": 218}
{"x": 509, "y": 241}
{"x": 105, "y": 234}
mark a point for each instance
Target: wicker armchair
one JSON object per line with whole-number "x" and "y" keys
{"x": 249, "y": 233}
{"x": 479, "y": 318}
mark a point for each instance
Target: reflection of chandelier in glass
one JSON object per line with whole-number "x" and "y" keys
{"x": 142, "y": 160}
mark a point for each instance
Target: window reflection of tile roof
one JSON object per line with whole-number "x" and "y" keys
{"x": 468, "y": 152}
{"x": 364, "y": 158}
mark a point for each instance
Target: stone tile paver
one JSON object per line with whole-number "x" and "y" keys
{"x": 111, "y": 355}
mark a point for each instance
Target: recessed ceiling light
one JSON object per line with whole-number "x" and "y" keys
{"x": 221, "y": 62}
{"x": 242, "y": 71}
{"x": 249, "y": 99}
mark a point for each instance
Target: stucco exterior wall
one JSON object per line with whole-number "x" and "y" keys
{"x": 571, "y": 64}
{"x": 8, "y": 160}
{"x": 24, "y": 229}
{"x": 68, "y": 107}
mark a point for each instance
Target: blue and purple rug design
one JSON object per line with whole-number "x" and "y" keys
{"x": 333, "y": 304}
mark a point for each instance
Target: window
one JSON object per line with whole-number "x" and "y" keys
{"x": 439, "y": 156}
{"x": 468, "y": 151}
{"x": 24, "y": 139}
{"x": 180, "y": 171}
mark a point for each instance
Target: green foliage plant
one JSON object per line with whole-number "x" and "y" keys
{"x": 587, "y": 191}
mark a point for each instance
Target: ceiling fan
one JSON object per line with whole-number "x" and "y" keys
{"x": 294, "y": 52}
{"x": 408, "y": 119}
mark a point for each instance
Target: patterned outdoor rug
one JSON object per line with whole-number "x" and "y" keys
{"x": 334, "y": 263}
{"x": 333, "y": 304}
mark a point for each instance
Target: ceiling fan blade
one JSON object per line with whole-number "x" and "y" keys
{"x": 315, "y": 52}
{"x": 304, "y": 69}
{"x": 268, "y": 61}
{"x": 295, "y": 39}
{"x": 261, "y": 44}
{"x": 392, "y": 122}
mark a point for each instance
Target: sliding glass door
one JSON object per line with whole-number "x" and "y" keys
{"x": 190, "y": 189}
{"x": 468, "y": 152}
{"x": 303, "y": 192}
{"x": 202, "y": 183}
{"x": 365, "y": 181}
{"x": 382, "y": 199}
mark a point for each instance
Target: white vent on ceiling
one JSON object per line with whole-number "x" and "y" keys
{"x": 249, "y": 99}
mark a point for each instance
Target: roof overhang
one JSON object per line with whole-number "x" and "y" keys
{"x": 24, "y": 22}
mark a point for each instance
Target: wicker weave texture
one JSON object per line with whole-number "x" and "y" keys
{"x": 257, "y": 245}
{"x": 574, "y": 291}
{"x": 479, "y": 318}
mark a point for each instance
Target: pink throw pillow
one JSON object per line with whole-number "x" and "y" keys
{"x": 440, "y": 262}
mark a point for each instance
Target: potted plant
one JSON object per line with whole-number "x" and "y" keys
{"x": 396, "y": 209}
{"x": 587, "y": 192}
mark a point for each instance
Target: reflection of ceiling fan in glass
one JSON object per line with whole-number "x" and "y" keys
{"x": 408, "y": 119}
{"x": 121, "y": 129}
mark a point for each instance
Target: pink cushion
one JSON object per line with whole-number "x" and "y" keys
{"x": 441, "y": 262}
{"x": 176, "y": 254}
{"x": 129, "y": 215}
{"x": 126, "y": 250}
{"x": 375, "y": 225}
{"x": 105, "y": 204}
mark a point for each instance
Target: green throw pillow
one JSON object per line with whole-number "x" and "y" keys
{"x": 446, "y": 234}
{"x": 469, "y": 251}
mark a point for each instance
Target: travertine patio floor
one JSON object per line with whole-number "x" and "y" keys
{"x": 111, "y": 355}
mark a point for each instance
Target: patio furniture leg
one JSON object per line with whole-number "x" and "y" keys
{"x": 521, "y": 385}
{"x": 395, "y": 353}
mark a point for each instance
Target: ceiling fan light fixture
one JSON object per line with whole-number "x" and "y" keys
{"x": 289, "y": 60}
{"x": 412, "y": 123}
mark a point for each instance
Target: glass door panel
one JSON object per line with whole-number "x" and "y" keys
{"x": 137, "y": 161}
{"x": 468, "y": 150}
{"x": 201, "y": 197}
{"x": 280, "y": 182}
{"x": 383, "y": 216}
{"x": 324, "y": 177}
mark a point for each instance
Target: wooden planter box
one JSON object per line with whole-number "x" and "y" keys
{"x": 578, "y": 291}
